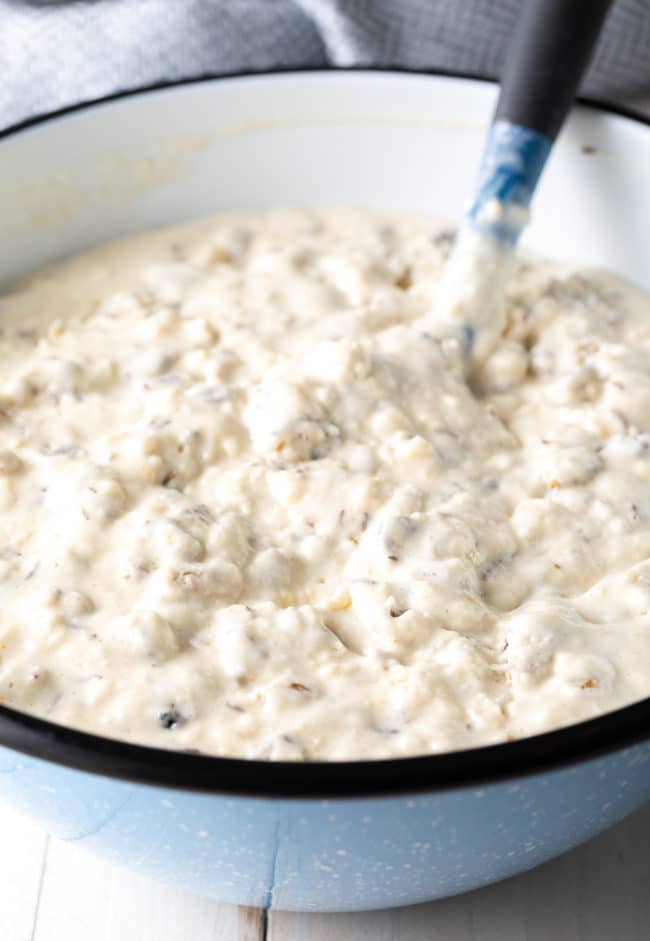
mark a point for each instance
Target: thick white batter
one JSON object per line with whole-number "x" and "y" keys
{"x": 248, "y": 505}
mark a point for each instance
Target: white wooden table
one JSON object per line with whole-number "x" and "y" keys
{"x": 51, "y": 891}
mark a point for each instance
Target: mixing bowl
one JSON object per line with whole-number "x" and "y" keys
{"x": 350, "y": 835}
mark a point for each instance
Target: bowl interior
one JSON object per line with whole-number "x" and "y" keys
{"x": 386, "y": 140}
{"x": 390, "y": 140}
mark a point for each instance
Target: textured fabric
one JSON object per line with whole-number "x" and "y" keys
{"x": 59, "y": 52}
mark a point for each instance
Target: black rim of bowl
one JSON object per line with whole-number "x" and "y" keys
{"x": 40, "y": 738}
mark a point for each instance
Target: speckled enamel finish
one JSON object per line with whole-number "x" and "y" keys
{"x": 319, "y": 855}
{"x": 409, "y": 142}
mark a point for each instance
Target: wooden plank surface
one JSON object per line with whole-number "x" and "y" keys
{"x": 52, "y": 891}
{"x": 22, "y": 857}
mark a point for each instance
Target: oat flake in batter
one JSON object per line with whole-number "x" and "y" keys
{"x": 249, "y": 505}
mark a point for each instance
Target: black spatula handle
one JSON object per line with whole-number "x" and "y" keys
{"x": 549, "y": 53}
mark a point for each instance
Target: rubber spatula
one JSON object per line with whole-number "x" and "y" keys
{"x": 549, "y": 53}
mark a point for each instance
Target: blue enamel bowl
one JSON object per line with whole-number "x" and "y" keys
{"x": 342, "y": 835}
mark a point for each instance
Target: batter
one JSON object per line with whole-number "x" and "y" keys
{"x": 250, "y": 505}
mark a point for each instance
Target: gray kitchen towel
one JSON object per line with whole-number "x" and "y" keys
{"x": 59, "y": 52}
